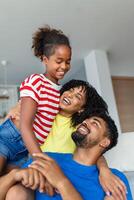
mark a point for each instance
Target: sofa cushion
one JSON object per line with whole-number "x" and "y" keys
{"x": 122, "y": 156}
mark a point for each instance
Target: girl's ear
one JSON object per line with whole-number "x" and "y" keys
{"x": 104, "y": 143}
{"x": 45, "y": 60}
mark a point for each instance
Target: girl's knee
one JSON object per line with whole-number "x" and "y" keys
{"x": 20, "y": 193}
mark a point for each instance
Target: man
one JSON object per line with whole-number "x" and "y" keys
{"x": 93, "y": 137}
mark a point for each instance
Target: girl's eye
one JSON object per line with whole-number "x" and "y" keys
{"x": 68, "y": 63}
{"x": 58, "y": 62}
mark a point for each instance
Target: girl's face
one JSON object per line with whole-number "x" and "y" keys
{"x": 72, "y": 101}
{"x": 58, "y": 64}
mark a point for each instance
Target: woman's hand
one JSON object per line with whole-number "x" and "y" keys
{"x": 14, "y": 113}
{"x": 111, "y": 184}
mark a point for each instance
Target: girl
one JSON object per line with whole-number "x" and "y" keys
{"x": 39, "y": 97}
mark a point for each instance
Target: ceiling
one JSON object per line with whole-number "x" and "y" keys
{"x": 90, "y": 24}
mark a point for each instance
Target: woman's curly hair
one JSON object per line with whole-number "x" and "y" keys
{"x": 94, "y": 102}
{"x": 46, "y": 39}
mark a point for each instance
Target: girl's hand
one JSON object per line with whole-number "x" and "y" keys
{"x": 109, "y": 198}
{"x": 111, "y": 184}
{"x": 49, "y": 168}
{"x": 31, "y": 178}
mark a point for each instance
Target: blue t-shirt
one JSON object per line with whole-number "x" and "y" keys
{"x": 84, "y": 178}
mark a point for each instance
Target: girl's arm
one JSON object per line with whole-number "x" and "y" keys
{"x": 54, "y": 175}
{"x": 67, "y": 191}
{"x": 110, "y": 182}
{"x": 28, "y": 111}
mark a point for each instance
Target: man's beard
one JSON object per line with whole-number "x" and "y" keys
{"x": 78, "y": 139}
{"x": 82, "y": 141}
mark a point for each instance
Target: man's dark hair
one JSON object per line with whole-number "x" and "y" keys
{"x": 111, "y": 132}
{"x": 94, "y": 102}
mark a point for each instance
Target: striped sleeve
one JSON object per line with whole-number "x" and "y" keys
{"x": 30, "y": 87}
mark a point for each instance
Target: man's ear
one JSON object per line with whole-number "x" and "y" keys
{"x": 45, "y": 60}
{"x": 104, "y": 143}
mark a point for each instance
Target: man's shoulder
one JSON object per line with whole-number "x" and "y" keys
{"x": 58, "y": 155}
{"x": 119, "y": 174}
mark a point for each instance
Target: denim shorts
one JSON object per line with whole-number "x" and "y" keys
{"x": 11, "y": 144}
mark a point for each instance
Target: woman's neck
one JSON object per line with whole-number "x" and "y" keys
{"x": 65, "y": 114}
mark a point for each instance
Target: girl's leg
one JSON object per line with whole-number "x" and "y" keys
{"x": 2, "y": 164}
{"x": 4, "y": 167}
{"x": 19, "y": 192}
{"x": 10, "y": 167}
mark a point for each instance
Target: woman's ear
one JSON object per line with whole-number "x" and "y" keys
{"x": 104, "y": 143}
{"x": 80, "y": 111}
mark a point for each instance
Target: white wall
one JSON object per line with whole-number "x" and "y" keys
{"x": 98, "y": 74}
{"x": 124, "y": 70}
{"x": 11, "y": 91}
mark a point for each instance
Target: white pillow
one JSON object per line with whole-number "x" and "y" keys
{"x": 122, "y": 156}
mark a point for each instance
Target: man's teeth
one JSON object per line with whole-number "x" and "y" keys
{"x": 84, "y": 130}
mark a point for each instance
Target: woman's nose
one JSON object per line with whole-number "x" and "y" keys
{"x": 70, "y": 95}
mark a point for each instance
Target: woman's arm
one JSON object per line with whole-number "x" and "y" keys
{"x": 28, "y": 111}
{"x": 110, "y": 182}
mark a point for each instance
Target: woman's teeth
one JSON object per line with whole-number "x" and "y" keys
{"x": 66, "y": 101}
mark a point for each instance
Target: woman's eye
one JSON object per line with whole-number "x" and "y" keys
{"x": 71, "y": 90}
{"x": 78, "y": 97}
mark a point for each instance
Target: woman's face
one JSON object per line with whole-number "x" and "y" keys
{"x": 73, "y": 100}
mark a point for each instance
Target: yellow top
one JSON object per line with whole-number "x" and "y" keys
{"x": 59, "y": 138}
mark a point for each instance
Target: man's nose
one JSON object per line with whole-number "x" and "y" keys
{"x": 85, "y": 123}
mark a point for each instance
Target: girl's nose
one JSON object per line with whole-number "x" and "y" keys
{"x": 63, "y": 65}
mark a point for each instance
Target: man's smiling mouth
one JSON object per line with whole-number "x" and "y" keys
{"x": 83, "y": 129}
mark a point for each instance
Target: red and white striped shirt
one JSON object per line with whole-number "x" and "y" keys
{"x": 47, "y": 95}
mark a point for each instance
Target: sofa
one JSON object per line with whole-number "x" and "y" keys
{"x": 122, "y": 157}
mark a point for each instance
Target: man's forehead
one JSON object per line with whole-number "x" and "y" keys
{"x": 96, "y": 118}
